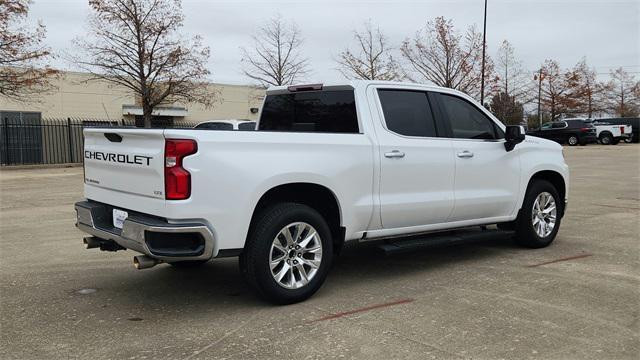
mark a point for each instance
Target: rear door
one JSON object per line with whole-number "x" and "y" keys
{"x": 416, "y": 166}
{"x": 487, "y": 177}
{"x": 127, "y": 162}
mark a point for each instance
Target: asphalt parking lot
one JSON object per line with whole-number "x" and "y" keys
{"x": 578, "y": 298}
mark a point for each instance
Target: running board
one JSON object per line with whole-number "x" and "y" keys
{"x": 404, "y": 245}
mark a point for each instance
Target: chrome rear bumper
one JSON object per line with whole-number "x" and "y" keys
{"x": 139, "y": 231}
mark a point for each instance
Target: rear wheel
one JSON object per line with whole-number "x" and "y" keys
{"x": 606, "y": 139}
{"x": 539, "y": 219}
{"x": 288, "y": 253}
{"x": 572, "y": 140}
{"x": 628, "y": 140}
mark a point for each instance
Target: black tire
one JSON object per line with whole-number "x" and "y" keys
{"x": 606, "y": 139}
{"x": 628, "y": 140}
{"x": 525, "y": 233}
{"x": 188, "y": 264}
{"x": 256, "y": 255}
{"x": 572, "y": 140}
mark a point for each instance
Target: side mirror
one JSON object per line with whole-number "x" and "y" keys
{"x": 514, "y": 135}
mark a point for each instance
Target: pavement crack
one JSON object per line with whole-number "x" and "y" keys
{"x": 226, "y": 335}
{"x": 393, "y": 333}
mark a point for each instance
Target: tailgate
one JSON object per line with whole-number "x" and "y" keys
{"x": 124, "y": 162}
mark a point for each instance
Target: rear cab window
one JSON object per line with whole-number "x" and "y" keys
{"x": 324, "y": 111}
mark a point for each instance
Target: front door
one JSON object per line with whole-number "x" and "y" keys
{"x": 487, "y": 177}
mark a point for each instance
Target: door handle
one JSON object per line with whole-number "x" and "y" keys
{"x": 465, "y": 154}
{"x": 394, "y": 154}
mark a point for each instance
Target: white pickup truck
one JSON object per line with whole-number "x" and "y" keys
{"x": 610, "y": 134}
{"x": 354, "y": 161}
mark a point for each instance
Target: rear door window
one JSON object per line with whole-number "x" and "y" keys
{"x": 467, "y": 121}
{"x": 407, "y": 112}
{"x": 330, "y": 111}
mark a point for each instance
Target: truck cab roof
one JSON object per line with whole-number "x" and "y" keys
{"x": 357, "y": 84}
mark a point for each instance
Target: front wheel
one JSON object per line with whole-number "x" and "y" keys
{"x": 539, "y": 219}
{"x": 288, "y": 253}
{"x": 572, "y": 140}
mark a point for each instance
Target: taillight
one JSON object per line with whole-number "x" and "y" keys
{"x": 177, "y": 180}
{"x": 621, "y": 129}
{"x": 585, "y": 129}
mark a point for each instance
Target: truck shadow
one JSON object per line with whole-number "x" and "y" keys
{"x": 219, "y": 282}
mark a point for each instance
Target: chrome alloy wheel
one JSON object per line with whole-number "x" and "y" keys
{"x": 295, "y": 256}
{"x": 544, "y": 214}
{"x": 573, "y": 140}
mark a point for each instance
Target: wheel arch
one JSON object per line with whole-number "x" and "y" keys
{"x": 316, "y": 196}
{"x": 556, "y": 179}
{"x": 605, "y": 132}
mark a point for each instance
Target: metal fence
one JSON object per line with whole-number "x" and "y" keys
{"x": 27, "y": 139}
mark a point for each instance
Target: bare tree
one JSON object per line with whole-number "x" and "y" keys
{"x": 276, "y": 55}
{"x": 443, "y": 56}
{"x": 585, "y": 92}
{"x": 623, "y": 93}
{"x": 134, "y": 44}
{"x": 506, "y": 108}
{"x": 22, "y": 73}
{"x": 555, "y": 89}
{"x": 371, "y": 60}
{"x": 512, "y": 79}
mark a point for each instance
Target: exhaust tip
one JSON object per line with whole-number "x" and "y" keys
{"x": 141, "y": 262}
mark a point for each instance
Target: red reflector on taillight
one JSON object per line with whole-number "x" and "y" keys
{"x": 177, "y": 180}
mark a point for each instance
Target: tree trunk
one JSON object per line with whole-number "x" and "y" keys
{"x": 147, "y": 115}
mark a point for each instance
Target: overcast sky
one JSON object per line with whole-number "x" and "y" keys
{"x": 606, "y": 32}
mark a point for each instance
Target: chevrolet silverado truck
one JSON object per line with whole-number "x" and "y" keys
{"x": 353, "y": 161}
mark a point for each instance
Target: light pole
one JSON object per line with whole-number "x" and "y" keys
{"x": 539, "y": 78}
{"x": 484, "y": 46}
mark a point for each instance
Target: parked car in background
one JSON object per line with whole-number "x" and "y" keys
{"x": 633, "y": 122}
{"x": 610, "y": 134}
{"x": 243, "y": 125}
{"x": 571, "y": 131}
